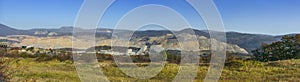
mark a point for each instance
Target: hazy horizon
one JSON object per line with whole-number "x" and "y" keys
{"x": 272, "y": 17}
{"x": 157, "y": 30}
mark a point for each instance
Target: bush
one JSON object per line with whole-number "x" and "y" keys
{"x": 287, "y": 48}
{"x": 244, "y": 63}
{"x": 6, "y": 68}
{"x": 63, "y": 57}
{"x": 43, "y": 57}
{"x": 235, "y": 63}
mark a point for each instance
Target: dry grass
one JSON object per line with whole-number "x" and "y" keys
{"x": 248, "y": 71}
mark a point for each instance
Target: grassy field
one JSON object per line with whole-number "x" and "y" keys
{"x": 248, "y": 71}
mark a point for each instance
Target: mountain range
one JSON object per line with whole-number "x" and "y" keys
{"x": 244, "y": 40}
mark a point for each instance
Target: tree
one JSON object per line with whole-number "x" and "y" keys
{"x": 287, "y": 48}
{"x": 297, "y": 38}
{"x": 3, "y": 46}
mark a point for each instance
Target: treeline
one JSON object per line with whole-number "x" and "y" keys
{"x": 287, "y": 48}
{"x": 60, "y": 55}
{"x": 169, "y": 57}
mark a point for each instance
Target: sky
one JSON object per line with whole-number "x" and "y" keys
{"x": 274, "y": 17}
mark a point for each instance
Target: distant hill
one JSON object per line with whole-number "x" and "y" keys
{"x": 249, "y": 41}
{"x": 244, "y": 40}
{"x": 5, "y": 30}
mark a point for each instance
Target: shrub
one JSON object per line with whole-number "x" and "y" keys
{"x": 287, "y": 48}
{"x": 6, "y": 68}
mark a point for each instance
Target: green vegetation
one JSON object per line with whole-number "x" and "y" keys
{"x": 6, "y": 70}
{"x": 287, "y": 48}
{"x": 47, "y": 71}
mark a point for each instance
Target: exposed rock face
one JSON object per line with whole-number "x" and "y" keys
{"x": 168, "y": 41}
{"x": 235, "y": 49}
{"x": 52, "y": 34}
{"x": 171, "y": 42}
{"x": 40, "y": 32}
{"x": 193, "y": 40}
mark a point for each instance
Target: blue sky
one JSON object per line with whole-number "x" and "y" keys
{"x": 251, "y": 16}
